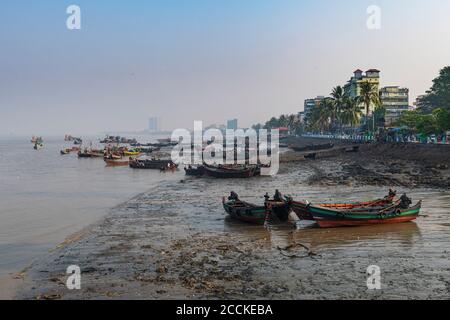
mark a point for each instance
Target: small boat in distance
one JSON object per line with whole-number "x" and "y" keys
{"x": 156, "y": 164}
{"x": 38, "y": 146}
{"x": 35, "y": 140}
{"x": 114, "y": 161}
{"x": 194, "y": 171}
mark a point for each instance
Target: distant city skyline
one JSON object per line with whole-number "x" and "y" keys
{"x": 202, "y": 60}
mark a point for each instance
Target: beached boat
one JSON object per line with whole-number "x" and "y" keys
{"x": 302, "y": 210}
{"x": 313, "y": 147}
{"x": 227, "y": 172}
{"x": 251, "y": 213}
{"x": 398, "y": 211}
{"x": 194, "y": 171}
{"x": 150, "y": 164}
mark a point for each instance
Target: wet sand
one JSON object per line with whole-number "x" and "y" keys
{"x": 10, "y": 286}
{"x": 175, "y": 241}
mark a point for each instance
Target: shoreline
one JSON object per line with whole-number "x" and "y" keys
{"x": 157, "y": 246}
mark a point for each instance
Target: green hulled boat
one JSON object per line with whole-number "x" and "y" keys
{"x": 399, "y": 211}
{"x": 271, "y": 211}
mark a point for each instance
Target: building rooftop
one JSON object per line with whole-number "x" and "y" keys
{"x": 373, "y": 70}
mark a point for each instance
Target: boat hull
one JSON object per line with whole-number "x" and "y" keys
{"x": 227, "y": 173}
{"x": 260, "y": 215}
{"x": 302, "y": 210}
{"x": 116, "y": 163}
{"x": 329, "y": 218}
{"x": 150, "y": 164}
{"x": 196, "y": 172}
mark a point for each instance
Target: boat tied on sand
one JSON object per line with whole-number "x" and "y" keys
{"x": 273, "y": 211}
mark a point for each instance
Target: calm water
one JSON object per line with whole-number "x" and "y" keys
{"x": 45, "y": 197}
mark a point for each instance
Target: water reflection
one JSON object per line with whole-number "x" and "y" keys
{"x": 401, "y": 234}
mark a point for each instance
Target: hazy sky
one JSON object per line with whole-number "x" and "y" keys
{"x": 210, "y": 60}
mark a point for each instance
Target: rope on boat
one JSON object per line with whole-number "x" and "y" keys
{"x": 310, "y": 253}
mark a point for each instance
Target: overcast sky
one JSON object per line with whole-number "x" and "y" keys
{"x": 210, "y": 60}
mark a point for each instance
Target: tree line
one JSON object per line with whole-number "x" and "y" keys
{"x": 339, "y": 112}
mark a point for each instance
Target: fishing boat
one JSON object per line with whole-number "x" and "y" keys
{"x": 131, "y": 152}
{"x": 313, "y": 147}
{"x": 228, "y": 172}
{"x": 38, "y": 146}
{"x": 150, "y": 164}
{"x": 302, "y": 208}
{"x": 194, "y": 171}
{"x": 35, "y": 140}
{"x": 112, "y": 161}
{"x": 399, "y": 211}
{"x": 65, "y": 151}
{"x": 90, "y": 153}
{"x": 251, "y": 213}
{"x": 84, "y": 154}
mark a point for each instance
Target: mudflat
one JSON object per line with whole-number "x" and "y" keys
{"x": 175, "y": 241}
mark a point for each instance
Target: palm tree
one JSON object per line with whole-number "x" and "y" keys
{"x": 322, "y": 115}
{"x": 351, "y": 112}
{"x": 338, "y": 97}
{"x": 291, "y": 121}
{"x": 369, "y": 96}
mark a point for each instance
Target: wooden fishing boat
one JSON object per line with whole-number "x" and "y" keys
{"x": 230, "y": 172}
{"x": 313, "y": 147}
{"x": 301, "y": 208}
{"x": 396, "y": 213}
{"x": 250, "y": 213}
{"x": 112, "y": 162}
{"x": 150, "y": 164}
{"x": 194, "y": 171}
{"x": 90, "y": 154}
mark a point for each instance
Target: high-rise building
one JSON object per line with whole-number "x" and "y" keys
{"x": 232, "y": 124}
{"x": 154, "y": 124}
{"x": 395, "y": 100}
{"x": 309, "y": 106}
{"x": 353, "y": 87}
